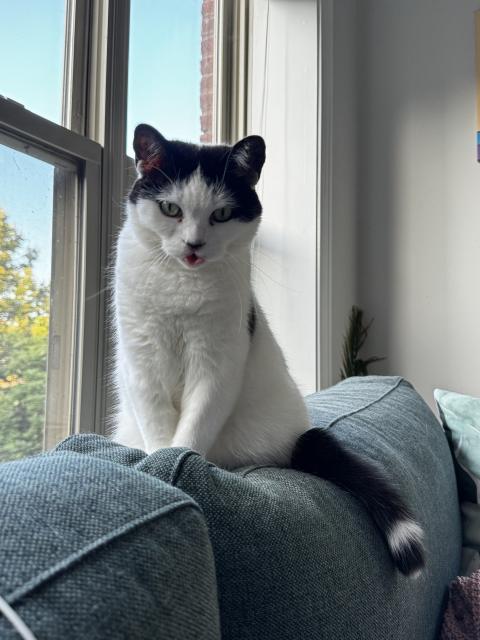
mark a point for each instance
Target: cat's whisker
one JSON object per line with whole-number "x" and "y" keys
{"x": 159, "y": 257}
{"x": 158, "y": 261}
{"x": 252, "y": 264}
{"x": 264, "y": 254}
{"x": 244, "y": 266}
{"x": 264, "y": 273}
{"x": 163, "y": 174}
{"x": 226, "y": 166}
{"x": 267, "y": 275}
{"x": 237, "y": 290}
{"x": 99, "y": 293}
{"x": 239, "y": 295}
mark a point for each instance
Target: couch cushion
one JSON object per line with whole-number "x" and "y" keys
{"x": 93, "y": 549}
{"x": 297, "y": 557}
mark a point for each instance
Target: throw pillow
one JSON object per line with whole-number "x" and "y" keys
{"x": 460, "y": 415}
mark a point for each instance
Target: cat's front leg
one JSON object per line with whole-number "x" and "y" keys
{"x": 212, "y": 387}
{"x": 146, "y": 410}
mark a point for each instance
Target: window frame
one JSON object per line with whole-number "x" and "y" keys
{"x": 231, "y": 69}
{"x": 92, "y": 138}
{"x": 52, "y": 142}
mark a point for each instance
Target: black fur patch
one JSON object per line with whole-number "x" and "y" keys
{"x": 178, "y": 160}
{"x": 252, "y": 320}
{"x": 318, "y": 452}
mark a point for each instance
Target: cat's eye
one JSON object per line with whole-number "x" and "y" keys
{"x": 170, "y": 209}
{"x": 222, "y": 215}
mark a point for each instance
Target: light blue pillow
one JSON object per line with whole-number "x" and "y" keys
{"x": 460, "y": 415}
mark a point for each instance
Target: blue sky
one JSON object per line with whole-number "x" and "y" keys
{"x": 164, "y": 86}
{"x": 164, "y": 70}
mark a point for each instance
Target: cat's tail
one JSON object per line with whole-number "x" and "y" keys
{"x": 318, "y": 452}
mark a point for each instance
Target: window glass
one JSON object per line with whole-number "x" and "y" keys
{"x": 170, "y": 83}
{"x": 32, "y": 43}
{"x": 29, "y": 189}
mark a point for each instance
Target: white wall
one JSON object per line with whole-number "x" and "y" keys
{"x": 418, "y": 262}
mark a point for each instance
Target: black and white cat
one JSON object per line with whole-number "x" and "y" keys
{"x": 197, "y": 364}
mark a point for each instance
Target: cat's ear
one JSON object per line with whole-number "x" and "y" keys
{"x": 247, "y": 157}
{"x": 150, "y": 149}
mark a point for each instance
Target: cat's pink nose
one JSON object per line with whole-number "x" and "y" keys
{"x": 194, "y": 245}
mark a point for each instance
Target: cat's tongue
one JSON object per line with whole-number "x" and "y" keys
{"x": 193, "y": 260}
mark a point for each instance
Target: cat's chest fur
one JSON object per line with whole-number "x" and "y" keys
{"x": 166, "y": 314}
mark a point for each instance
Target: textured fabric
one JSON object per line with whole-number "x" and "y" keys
{"x": 297, "y": 557}
{"x": 93, "y": 549}
{"x": 462, "y": 617}
{"x": 461, "y": 418}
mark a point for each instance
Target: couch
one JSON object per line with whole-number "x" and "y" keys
{"x": 101, "y": 541}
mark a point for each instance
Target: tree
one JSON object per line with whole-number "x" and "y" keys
{"x": 24, "y": 314}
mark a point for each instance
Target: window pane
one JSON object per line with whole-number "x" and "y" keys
{"x": 32, "y": 194}
{"x": 170, "y": 83}
{"x": 32, "y": 43}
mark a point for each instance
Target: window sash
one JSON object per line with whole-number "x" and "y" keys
{"x": 63, "y": 296}
{"x": 76, "y": 319}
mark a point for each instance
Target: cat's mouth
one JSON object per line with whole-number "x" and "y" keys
{"x": 193, "y": 260}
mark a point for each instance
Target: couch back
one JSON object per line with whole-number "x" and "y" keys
{"x": 298, "y": 557}
{"x": 294, "y": 556}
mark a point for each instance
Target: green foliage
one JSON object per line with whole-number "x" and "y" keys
{"x": 24, "y": 313}
{"x": 354, "y": 340}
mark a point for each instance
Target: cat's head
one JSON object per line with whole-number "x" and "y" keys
{"x": 199, "y": 202}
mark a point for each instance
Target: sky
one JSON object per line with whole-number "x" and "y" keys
{"x": 164, "y": 90}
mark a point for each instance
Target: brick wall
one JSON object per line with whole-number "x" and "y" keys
{"x": 206, "y": 86}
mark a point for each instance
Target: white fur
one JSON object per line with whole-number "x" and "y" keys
{"x": 188, "y": 373}
{"x": 403, "y": 534}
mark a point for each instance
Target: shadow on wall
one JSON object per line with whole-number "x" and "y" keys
{"x": 418, "y": 190}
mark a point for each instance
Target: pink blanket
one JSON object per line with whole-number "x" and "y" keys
{"x": 462, "y": 616}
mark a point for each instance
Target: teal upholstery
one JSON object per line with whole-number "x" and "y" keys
{"x": 460, "y": 415}
{"x": 295, "y": 556}
{"x": 90, "y": 549}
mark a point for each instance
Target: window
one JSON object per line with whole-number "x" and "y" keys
{"x": 63, "y": 179}
{"x": 170, "y": 82}
{"x": 35, "y": 318}
{"x": 32, "y": 44}
{"x": 50, "y": 204}
{"x": 188, "y": 68}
